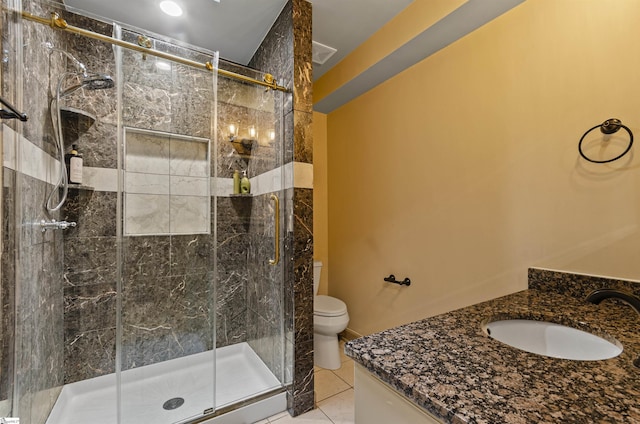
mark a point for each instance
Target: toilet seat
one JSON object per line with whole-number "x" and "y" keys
{"x": 328, "y": 306}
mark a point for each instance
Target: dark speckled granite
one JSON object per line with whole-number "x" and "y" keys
{"x": 450, "y": 367}
{"x": 576, "y": 285}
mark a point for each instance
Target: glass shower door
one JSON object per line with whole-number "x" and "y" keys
{"x": 166, "y": 329}
{"x": 250, "y": 307}
{"x": 201, "y": 325}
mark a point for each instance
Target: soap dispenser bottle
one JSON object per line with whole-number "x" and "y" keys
{"x": 245, "y": 184}
{"x": 74, "y": 166}
{"x": 236, "y": 182}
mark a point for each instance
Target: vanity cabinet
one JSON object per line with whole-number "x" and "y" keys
{"x": 378, "y": 403}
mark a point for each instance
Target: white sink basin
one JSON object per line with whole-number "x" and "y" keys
{"x": 555, "y": 340}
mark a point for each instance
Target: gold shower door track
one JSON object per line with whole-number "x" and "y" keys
{"x": 56, "y": 22}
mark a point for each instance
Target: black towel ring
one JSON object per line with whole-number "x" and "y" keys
{"x": 609, "y": 126}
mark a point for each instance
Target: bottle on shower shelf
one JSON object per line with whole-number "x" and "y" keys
{"x": 73, "y": 160}
{"x": 245, "y": 184}
{"x": 236, "y": 182}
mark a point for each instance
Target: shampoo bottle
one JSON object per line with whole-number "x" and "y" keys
{"x": 74, "y": 166}
{"x": 236, "y": 182}
{"x": 245, "y": 184}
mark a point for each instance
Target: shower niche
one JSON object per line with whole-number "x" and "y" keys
{"x": 166, "y": 184}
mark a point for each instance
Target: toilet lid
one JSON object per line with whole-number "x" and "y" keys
{"x": 328, "y": 306}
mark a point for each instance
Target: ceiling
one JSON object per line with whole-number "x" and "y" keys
{"x": 236, "y": 28}
{"x": 345, "y": 24}
{"x": 466, "y": 18}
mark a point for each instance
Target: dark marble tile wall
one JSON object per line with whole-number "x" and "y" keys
{"x": 302, "y": 333}
{"x": 166, "y": 276}
{"x": 234, "y": 222}
{"x": 166, "y": 316}
{"x": 179, "y": 100}
{"x": 245, "y": 225}
{"x": 39, "y": 82}
{"x": 90, "y": 292}
{"x": 168, "y": 295}
{"x": 96, "y": 142}
{"x": 39, "y": 325}
{"x": 166, "y": 280}
{"x": 167, "y": 298}
{"x": 160, "y": 274}
{"x": 265, "y": 287}
{"x": 246, "y": 248}
{"x": 90, "y": 249}
{"x": 276, "y": 56}
{"x": 38, "y": 303}
{"x": 286, "y": 53}
{"x": 302, "y": 210}
{"x": 251, "y": 105}
{"x": 247, "y": 105}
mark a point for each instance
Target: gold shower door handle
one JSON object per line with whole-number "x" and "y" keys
{"x": 276, "y": 238}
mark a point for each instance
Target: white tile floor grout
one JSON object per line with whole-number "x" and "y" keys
{"x": 334, "y": 397}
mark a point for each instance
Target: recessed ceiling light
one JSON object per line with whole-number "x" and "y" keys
{"x": 170, "y": 8}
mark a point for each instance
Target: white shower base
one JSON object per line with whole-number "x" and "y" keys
{"x": 240, "y": 375}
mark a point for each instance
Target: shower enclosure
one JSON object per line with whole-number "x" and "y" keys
{"x": 170, "y": 300}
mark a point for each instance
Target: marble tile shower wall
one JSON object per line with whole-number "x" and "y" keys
{"x": 246, "y": 240}
{"x": 167, "y": 291}
{"x": 31, "y": 284}
{"x": 166, "y": 298}
{"x": 164, "y": 277}
{"x": 90, "y": 249}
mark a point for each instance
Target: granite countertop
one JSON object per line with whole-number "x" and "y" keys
{"x": 447, "y": 364}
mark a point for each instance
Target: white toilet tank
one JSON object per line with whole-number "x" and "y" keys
{"x": 317, "y": 269}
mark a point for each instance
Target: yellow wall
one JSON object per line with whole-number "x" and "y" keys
{"x": 320, "y": 206}
{"x": 463, "y": 171}
{"x": 414, "y": 19}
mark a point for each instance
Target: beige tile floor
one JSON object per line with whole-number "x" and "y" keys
{"x": 334, "y": 397}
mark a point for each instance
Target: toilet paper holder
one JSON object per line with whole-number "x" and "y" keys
{"x": 392, "y": 279}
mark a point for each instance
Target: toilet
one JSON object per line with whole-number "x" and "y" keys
{"x": 330, "y": 317}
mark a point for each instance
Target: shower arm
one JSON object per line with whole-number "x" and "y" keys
{"x": 56, "y": 22}
{"x": 79, "y": 65}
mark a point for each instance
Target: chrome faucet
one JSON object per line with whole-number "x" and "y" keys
{"x": 598, "y": 296}
{"x": 55, "y": 225}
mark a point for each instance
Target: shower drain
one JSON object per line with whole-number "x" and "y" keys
{"x": 173, "y": 403}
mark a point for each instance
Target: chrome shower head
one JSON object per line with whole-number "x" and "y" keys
{"x": 97, "y": 81}
{"x": 90, "y": 82}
